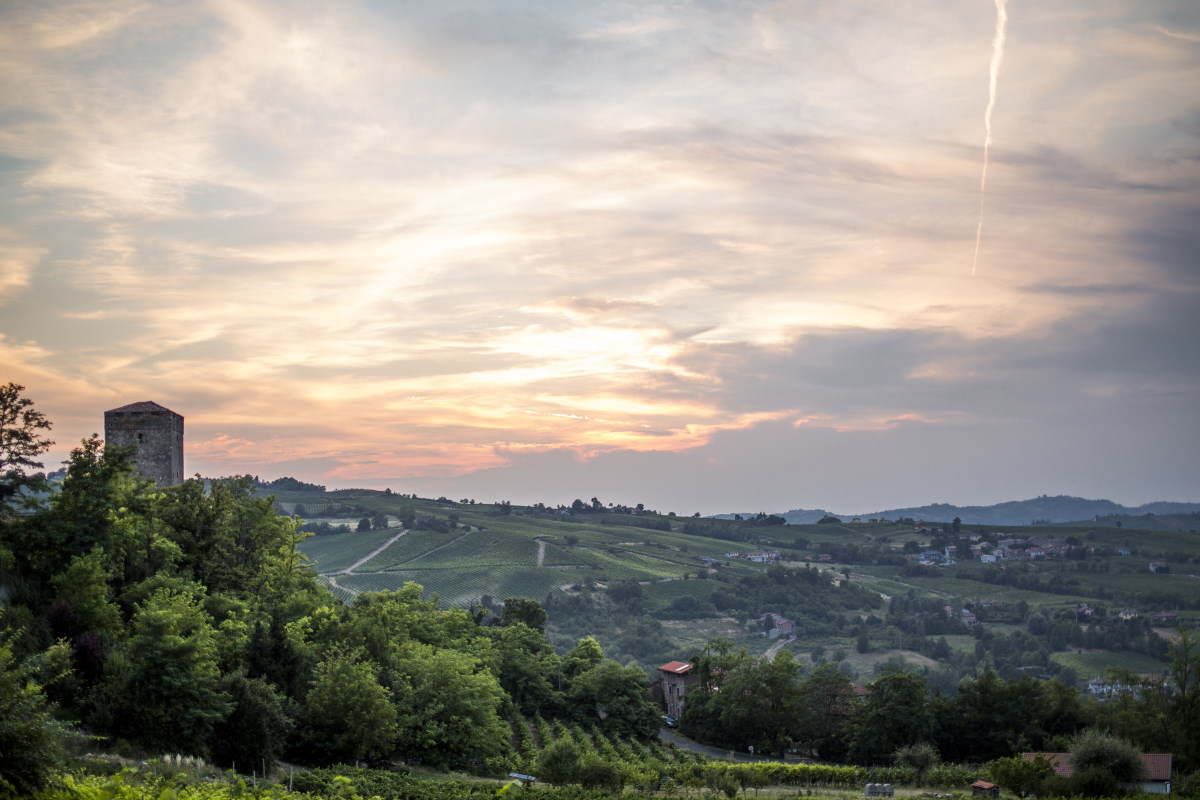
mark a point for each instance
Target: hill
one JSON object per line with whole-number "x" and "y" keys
{"x": 654, "y": 588}
{"x": 1056, "y": 509}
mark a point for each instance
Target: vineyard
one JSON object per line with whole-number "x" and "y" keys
{"x": 475, "y": 551}
{"x": 572, "y": 760}
{"x": 338, "y": 551}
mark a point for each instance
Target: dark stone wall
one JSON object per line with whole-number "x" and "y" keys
{"x": 157, "y": 435}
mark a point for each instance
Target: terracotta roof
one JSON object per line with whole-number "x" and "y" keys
{"x": 145, "y": 405}
{"x": 983, "y": 785}
{"x": 1156, "y": 766}
{"x": 675, "y": 667}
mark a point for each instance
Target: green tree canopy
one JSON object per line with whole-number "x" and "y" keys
{"x": 349, "y": 714}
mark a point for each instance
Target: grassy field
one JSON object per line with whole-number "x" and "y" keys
{"x": 1090, "y": 665}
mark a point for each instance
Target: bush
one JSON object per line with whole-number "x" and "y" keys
{"x": 31, "y": 742}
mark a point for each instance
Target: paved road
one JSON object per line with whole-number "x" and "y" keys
{"x": 671, "y": 737}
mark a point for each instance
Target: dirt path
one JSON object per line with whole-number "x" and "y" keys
{"x": 717, "y": 753}
{"x": 541, "y": 552}
{"x": 350, "y": 569}
{"x": 775, "y": 648}
{"x": 333, "y": 582}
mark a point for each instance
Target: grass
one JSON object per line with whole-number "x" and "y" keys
{"x": 1090, "y": 665}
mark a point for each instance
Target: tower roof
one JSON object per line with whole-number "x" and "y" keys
{"x": 145, "y": 405}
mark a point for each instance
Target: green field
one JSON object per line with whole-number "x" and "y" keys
{"x": 1093, "y": 665}
{"x": 339, "y": 550}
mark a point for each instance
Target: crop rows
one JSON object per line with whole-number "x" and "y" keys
{"x": 339, "y": 550}
{"x": 457, "y": 587}
{"x": 484, "y": 548}
{"x": 406, "y": 548}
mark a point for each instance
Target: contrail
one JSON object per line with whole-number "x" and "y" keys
{"x": 994, "y": 71}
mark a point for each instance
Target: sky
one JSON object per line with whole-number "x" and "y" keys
{"x": 706, "y": 255}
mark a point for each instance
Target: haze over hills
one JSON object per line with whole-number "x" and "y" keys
{"x": 1056, "y": 509}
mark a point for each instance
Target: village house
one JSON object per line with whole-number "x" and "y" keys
{"x": 780, "y": 625}
{"x": 674, "y": 679}
{"x": 1156, "y": 770}
{"x": 1159, "y": 568}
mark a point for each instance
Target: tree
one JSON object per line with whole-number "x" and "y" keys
{"x": 920, "y": 758}
{"x": 526, "y": 611}
{"x": 21, "y": 441}
{"x": 616, "y": 696}
{"x": 165, "y": 687}
{"x": 1100, "y": 763}
{"x": 826, "y": 705}
{"x": 31, "y": 742}
{"x": 448, "y": 706}
{"x": 349, "y": 715}
{"x": 1024, "y": 777}
{"x": 364, "y": 525}
{"x": 257, "y": 728}
{"x": 558, "y": 762}
{"x": 582, "y": 657}
{"x": 758, "y": 703}
{"x": 893, "y": 715}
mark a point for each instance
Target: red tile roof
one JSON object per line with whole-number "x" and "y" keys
{"x": 675, "y": 667}
{"x": 1156, "y": 766}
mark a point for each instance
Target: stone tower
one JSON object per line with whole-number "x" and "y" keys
{"x": 156, "y": 433}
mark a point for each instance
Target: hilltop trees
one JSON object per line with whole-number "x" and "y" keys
{"x": 21, "y": 440}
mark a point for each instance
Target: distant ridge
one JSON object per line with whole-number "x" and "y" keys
{"x": 1056, "y": 509}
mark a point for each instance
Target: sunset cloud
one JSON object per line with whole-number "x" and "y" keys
{"x": 667, "y": 250}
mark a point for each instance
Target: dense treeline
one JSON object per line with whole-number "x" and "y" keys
{"x": 776, "y": 705}
{"x": 186, "y": 620}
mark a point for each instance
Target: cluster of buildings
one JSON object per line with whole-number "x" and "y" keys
{"x": 1004, "y": 550}
{"x": 757, "y": 556}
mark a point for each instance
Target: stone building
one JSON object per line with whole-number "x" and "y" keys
{"x": 155, "y": 433}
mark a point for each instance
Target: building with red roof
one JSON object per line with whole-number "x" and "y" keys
{"x": 1156, "y": 770}
{"x": 674, "y": 679}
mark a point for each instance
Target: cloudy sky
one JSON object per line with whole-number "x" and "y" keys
{"x": 709, "y": 255}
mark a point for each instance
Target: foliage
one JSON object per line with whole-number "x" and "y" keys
{"x": 1100, "y": 763}
{"x": 1024, "y": 777}
{"x": 21, "y": 441}
{"x": 920, "y": 758}
{"x": 31, "y": 742}
{"x": 348, "y": 714}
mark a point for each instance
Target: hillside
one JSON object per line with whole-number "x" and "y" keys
{"x": 654, "y": 588}
{"x": 1056, "y": 509}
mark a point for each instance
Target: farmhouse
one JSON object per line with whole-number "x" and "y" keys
{"x": 674, "y": 679}
{"x": 1156, "y": 770}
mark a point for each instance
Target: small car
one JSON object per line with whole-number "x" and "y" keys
{"x": 670, "y": 721}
